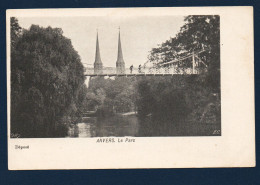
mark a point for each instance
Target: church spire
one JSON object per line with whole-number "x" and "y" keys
{"x": 98, "y": 63}
{"x": 120, "y": 53}
{"x": 120, "y": 64}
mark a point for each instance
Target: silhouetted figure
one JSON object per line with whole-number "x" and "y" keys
{"x": 139, "y": 68}
{"x": 131, "y": 69}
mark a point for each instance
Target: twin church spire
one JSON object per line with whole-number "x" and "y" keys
{"x": 120, "y": 64}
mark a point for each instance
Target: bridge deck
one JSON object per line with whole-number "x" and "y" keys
{"x": 93, "y": 75}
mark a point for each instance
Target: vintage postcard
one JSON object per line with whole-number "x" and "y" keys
{"x": 130, "y": 88}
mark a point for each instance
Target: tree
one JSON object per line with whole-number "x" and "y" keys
{"x": 16, "y": 73}
{"x": 203, "y": 32}
{"x": 199, "y": 32}
{"x": 16, "y": 31}
{"x": 51, "y": 84}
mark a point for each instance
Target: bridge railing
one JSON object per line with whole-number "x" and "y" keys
{"x": 146, "y": 70}
{"x": 190, "y": 64}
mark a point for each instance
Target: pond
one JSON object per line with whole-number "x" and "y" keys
{"x": 119, "y": 125}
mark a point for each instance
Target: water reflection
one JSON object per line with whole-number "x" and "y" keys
{"x": 130, "y": 125}
{"x": 113, "y": 126}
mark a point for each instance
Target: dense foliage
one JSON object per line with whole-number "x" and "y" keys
{"x": 112, "y": 95}
{"x": 176, "y": 105}
{"x": 47, "y": 82}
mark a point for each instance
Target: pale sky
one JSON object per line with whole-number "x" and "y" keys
{"x": 138, "y": 35}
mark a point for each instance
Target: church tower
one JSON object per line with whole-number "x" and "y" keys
{"x": 98, "y": 66}
{"x": 120, "y": 64}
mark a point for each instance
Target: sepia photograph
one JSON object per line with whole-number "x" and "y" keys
{"x": 115, "y": 76}
{"x": 120, "y": 88}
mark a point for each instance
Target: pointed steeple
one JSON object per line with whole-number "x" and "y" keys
{"x": 98, "y": 66}
{"x": 120, "y": 53}
{"x": 120, "y": 64}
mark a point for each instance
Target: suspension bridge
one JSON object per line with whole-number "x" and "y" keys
{"x": 191, "y": 64}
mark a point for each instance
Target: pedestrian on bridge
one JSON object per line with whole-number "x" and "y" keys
{"x": 139, "y": 68}
{"x": 131, "y": 69}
